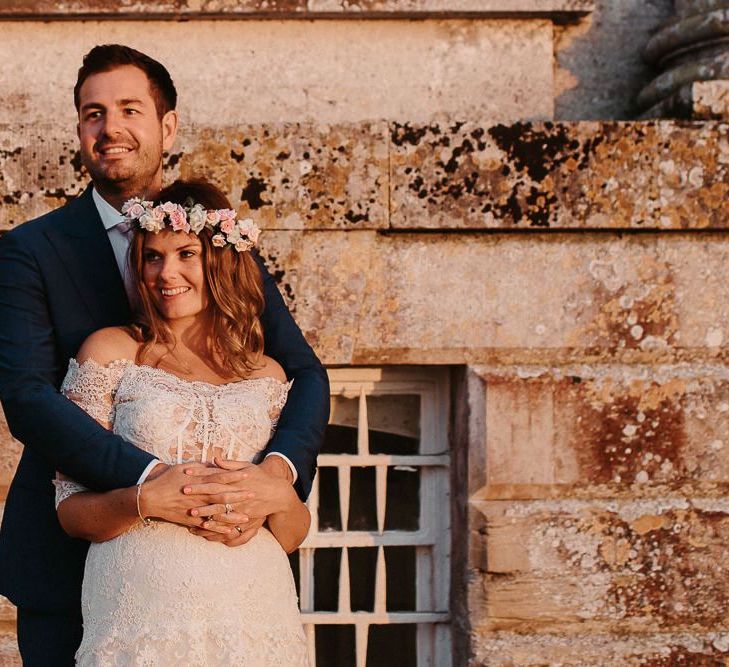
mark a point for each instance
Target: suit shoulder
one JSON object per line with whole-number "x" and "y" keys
{"x": 30, "y": 230}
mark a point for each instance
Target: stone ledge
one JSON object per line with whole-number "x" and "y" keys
{"x": 446, "y": 176}
{"x": 557, "y": 10}
{"x": 503, "y": 649}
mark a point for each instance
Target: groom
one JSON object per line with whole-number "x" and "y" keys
{"x": 61, "y": 278}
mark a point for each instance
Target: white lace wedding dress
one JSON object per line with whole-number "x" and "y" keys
{"x": 158, "y": 595}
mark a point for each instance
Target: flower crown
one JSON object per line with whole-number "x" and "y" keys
{"x": 241, "y": 234}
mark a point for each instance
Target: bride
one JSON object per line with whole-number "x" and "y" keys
{"x": 188, "y": 382}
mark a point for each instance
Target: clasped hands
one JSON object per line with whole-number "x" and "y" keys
{"x": 195, "y": 495}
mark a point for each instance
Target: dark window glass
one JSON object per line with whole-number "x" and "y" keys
{"x": 326, "y": 579}
{"x": 400, "y": 566}
{"x": 362, "y": 568}
{"x": 335, "y": 646}
{"x": 329, "y": 518}
{"x": 402, "y": 511}
{"x": 392, "y": 645}
{"x": 362, "y": 500}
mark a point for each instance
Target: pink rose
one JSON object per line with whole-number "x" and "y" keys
{"x": 227, "y": 225}
{"x": 243, "y": 245}
{"x": 227, "y": 214}
{"x": 218, "y": 240}
{"x": 178, "y": 220}
{"x": 168, "y": 207}
{"x": 158, "y": 213}
{"x": 212, "y": 218}
{"x": 135, "y": 211}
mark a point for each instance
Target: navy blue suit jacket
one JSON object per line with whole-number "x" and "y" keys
{"x": 59, "y": 282}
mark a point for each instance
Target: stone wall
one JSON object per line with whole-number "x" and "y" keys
{"x": 576, "y": 270}
{"x": 571, "y": 273}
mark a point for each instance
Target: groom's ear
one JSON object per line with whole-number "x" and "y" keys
{"x": 169, "y": 129}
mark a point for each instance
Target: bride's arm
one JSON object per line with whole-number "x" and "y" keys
{"x": 95, "y": 516}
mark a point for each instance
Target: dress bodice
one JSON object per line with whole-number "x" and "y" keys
{"x": 174, "y": 419}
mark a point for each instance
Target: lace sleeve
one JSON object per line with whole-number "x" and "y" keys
{"x": 277, "y": 400}
{"x": 92, "y": 386}
{"x": 66, "y": 488}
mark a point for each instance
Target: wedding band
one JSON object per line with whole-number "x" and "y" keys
{"x": 239, "y": 529}
{"x": 228, "y": 508}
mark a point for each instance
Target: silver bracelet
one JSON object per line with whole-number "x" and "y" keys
{"x": 145, "y": 521}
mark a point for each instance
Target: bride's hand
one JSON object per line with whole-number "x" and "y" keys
{"x": 161, "y": 495}
{"x": 243, "y": 489}
{"x": 248, "y": 531}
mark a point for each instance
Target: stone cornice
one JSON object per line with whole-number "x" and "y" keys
{"x": 560, "y": 11}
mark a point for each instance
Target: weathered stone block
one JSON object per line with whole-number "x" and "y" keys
{"x": 285, "y": 175}
{"x": 505, "y": 649}
{"x": 604, "y": 431}
{"x": 329, "y": 71}
{"x": 572, "y": 566}
{"x": 574, "y": 297}
{"x": 596, "y": 175}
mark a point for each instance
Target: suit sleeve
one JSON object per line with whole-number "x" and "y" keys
{"x": 300, "y": 431}
{"x": 42, "y": 419}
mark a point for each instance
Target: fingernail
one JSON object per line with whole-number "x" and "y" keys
{"x": 194, "y": 512}
{"x": 187, "y": 489}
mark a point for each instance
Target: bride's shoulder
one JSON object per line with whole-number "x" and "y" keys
{"x": 107, "y": 345}
{"x": 271, "y": 368}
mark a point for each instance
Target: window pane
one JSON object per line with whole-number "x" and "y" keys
{"x": 362, "y": 567}
{"x": 402, "y": 511}
{"x": 326, "y": 579}
{"x": 392, "y": 644}
{"x": 329, "y": 518}
{"x": 335, "y": 646}
{"x": 362, "y": 500}
{"x": 400, "y": 566}
{"x": 339, "y": 440}
{"x": 394, "y": 423}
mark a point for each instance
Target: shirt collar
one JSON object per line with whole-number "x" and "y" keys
{"x": 110, "y": 217}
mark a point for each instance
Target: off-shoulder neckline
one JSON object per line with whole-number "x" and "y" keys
{"x": 128, "y": 362}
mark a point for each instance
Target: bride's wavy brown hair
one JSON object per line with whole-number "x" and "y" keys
{"x": 235, "y": 291}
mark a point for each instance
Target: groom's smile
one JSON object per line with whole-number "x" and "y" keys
{"x": 121, "y": 134}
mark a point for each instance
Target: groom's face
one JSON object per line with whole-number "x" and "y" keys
{"x": 121, "y": 135}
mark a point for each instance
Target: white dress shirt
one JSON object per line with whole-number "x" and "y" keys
{"x": 110, "y": 217}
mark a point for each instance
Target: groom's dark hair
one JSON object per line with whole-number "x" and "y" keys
{"x": 107, "y": 57}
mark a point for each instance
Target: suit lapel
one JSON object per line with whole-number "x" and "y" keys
{"x": 83, "y": 245}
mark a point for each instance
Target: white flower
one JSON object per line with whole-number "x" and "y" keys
{"x": 218, "y": 240}
{"x": 150, "y": 223}
{"x": 196, "y": 218}
{"x": 243, "y": 245}
{"x": 250, "y": 229}
{"x": 234, "y": 236}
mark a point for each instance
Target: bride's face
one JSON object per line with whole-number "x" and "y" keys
{"x": 172, "y": 271}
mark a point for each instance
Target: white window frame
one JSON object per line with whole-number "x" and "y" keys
{"x": 432, "y": 540}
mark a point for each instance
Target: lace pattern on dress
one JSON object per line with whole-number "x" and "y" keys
{"x": 91, "y": 386}
{"x": 66, "y": 488}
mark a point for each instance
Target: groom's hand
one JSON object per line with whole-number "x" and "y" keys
{"x": 162, "y": 497}
{"x": 240, "y": 495}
